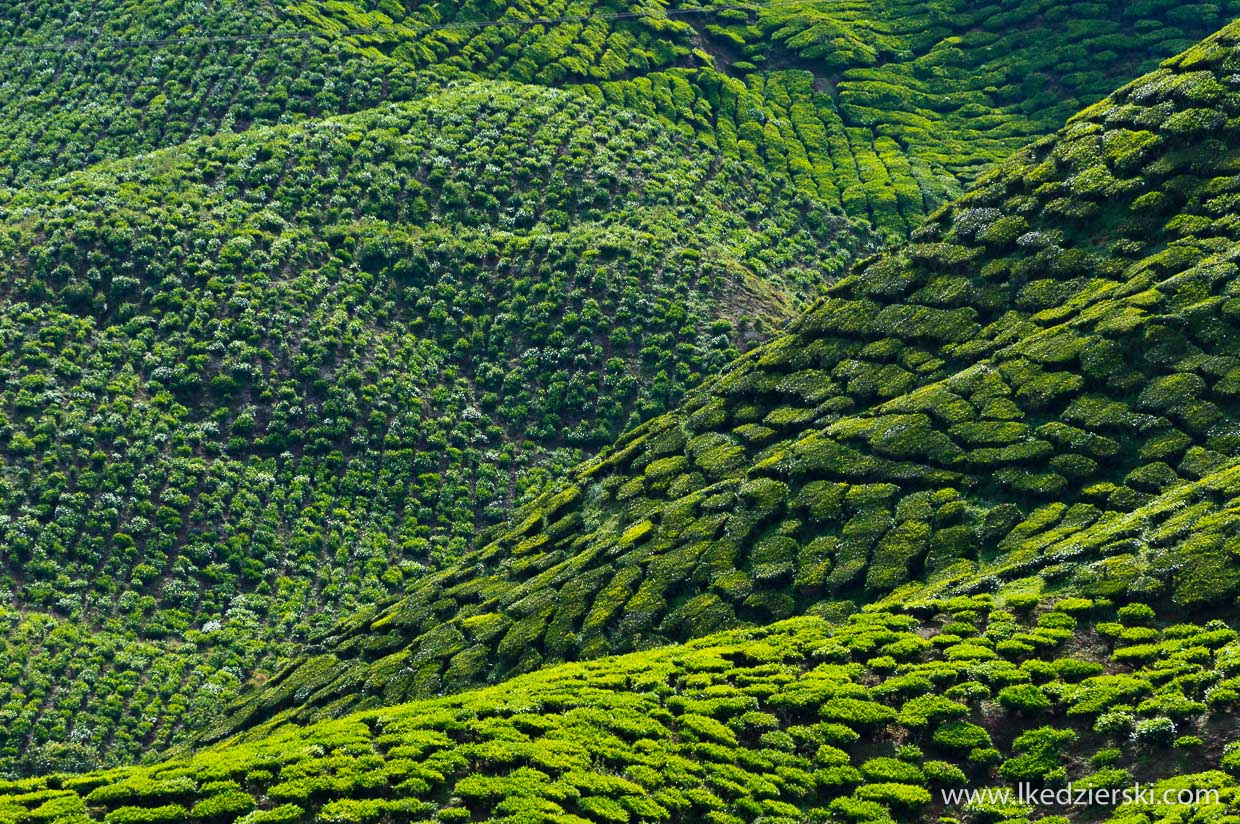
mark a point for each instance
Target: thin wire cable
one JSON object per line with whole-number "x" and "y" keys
{"x": 421, "y": 27}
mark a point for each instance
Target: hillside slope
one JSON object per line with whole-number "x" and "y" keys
{"x": 1050, "y": 354}
{"x": 873, "y": 719}
{"x": 86, "y": 83}
{"x": 293, "y": 313}
{"x": 884, "y": 108}
{"x": 256, "y": 381}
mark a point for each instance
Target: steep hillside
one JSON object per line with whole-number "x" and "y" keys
{"x": 1052, "y": 354}
{"x": 254, "y": 382}
{"x": 884, "y": 108}
{"x": 873, "y": 719}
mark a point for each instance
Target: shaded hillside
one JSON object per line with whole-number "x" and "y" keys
{"x": 869, "y": 720}
{"x": 89, "y": 82}
{"x": 252, "y": 383}
{"x": 1050, "y": 354}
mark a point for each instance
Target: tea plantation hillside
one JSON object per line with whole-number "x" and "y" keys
{"x": 300, "y": 299}
{"x": 255, "y": 381}
{"x": 82, "y": 83}
{"x": 872, "y": 719}
{"x": 885, "y": 108}
{"x": 1052, "y": 354}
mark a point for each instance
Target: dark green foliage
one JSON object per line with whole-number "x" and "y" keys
{"x": 195, "y": 472}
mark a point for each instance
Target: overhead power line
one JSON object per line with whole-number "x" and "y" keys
{"x": 417, "y": 27}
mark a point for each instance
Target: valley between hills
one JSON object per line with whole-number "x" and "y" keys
{"x": 796, "y": 411}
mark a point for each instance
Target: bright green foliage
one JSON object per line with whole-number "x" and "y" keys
{"x": 918, "y": 423}
{"x": 721, "y": 728}
{"x": 1025, "y": 698}
{"x": 881, "y": 109}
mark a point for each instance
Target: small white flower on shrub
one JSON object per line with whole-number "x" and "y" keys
{"x": 1159, "y": 730}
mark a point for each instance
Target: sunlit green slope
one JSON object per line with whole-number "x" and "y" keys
{"x": 1050, "y": 354}
{"x": 869, "y": 720}
{"x": 254, "y": 382}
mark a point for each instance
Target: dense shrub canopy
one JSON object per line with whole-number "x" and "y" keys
{"x": 871, "y": 719}
{"x": 885, "y": 109}
{"x": 1036, "y": 391}
{"x": 256, "y": 381}
{"x": 298, "y": 300}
